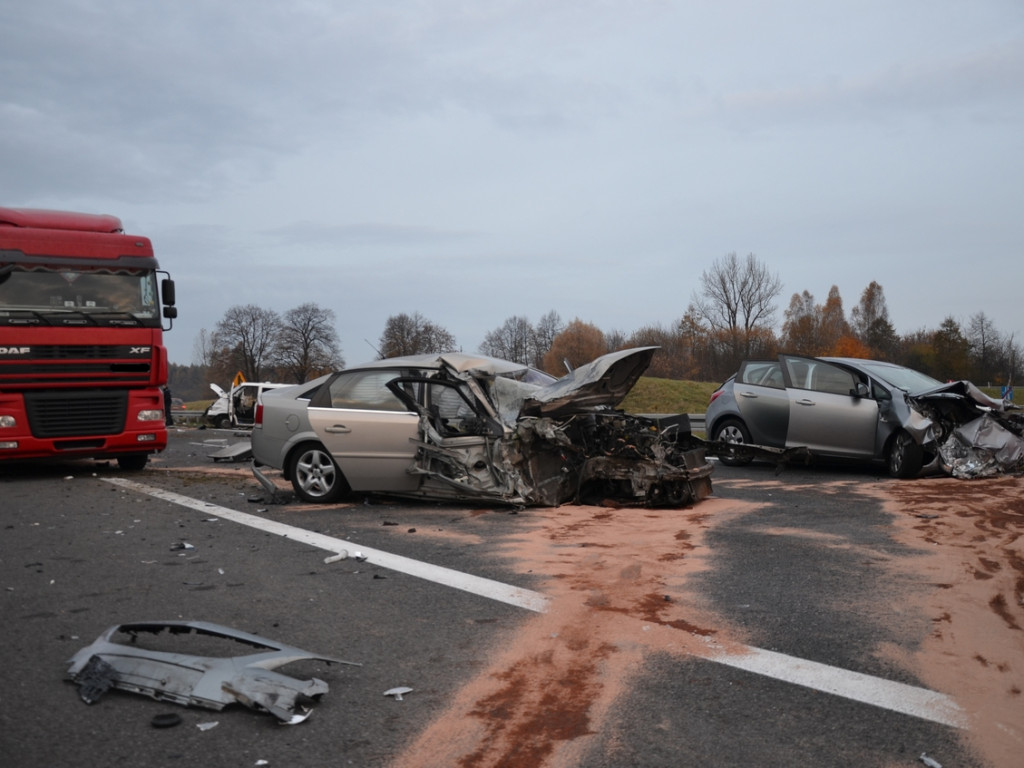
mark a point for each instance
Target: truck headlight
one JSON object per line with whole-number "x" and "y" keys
{"x": 151, "y": 415}
{"x": 8, "y": 421}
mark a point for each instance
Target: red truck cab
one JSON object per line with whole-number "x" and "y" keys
{"x": 82, "y": 361}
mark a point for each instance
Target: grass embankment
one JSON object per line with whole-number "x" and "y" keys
{"x": 652, "y": 395}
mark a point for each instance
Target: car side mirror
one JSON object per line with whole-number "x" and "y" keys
{"x": 860, "y": 390}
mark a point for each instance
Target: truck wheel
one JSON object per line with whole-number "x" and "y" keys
{"x": 315, "y": 476}
{"x": 219, "y": 422}
{"x": 133, "y": 463}
{"x": 906, "y": 457}
{"x": 732, "y": 431}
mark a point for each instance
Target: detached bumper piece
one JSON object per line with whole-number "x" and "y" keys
{"x": 211, "y": 682}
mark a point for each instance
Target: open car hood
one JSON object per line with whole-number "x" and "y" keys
{"x": 603, "y": 382}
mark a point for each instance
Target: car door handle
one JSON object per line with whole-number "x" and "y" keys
{"x": 805, "y": 401}
{"x": 337, "y": 429}
{"x": 749, "y": 394}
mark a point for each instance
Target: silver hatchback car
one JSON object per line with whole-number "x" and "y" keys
{"x": 865, "y": 410}
{"x": 464, "y": 427}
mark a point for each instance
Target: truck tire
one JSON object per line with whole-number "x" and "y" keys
{"x": 315, "y": 476}
{"x": 133, "y": 462}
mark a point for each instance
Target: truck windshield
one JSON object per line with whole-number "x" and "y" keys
{"x": 92, "y": 296}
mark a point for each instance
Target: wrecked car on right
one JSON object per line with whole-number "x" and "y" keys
{"x": 865, "y": 410}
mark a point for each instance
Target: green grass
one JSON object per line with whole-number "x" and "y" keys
{"x": 651, "y": 395}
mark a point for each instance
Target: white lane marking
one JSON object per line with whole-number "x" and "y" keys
{"x": 495, "y": 590}
{"x": 897, "y": 697}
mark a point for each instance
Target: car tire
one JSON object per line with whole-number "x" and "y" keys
{"x": 732, "y": 431}
{"x": 220, "y": 421}
{"x": 133, "y": 463}
{"x": 315, "y": 476}
{"x": 906, "y": 457}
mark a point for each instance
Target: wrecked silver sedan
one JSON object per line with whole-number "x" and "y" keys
{"x": 463, "y": 427}
{"x": 865, "y": 410}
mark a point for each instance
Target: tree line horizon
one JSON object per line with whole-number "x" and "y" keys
{"x": 731, "y": 317}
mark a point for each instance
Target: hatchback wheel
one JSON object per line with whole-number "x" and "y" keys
{"x": 906, "y": 457}
{"x": 732, "y": 431}
{"x": 315, "y": 476}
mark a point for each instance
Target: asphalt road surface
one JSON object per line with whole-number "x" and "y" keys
{"x": 584, "y": 636}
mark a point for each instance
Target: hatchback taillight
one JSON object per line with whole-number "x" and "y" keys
{"x": 714, "y": 396}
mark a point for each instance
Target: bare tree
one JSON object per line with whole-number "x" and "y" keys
{"x": 544, "y": 333}
{"x": 413, "y": 335}
{"x": 244, "y": 338}
{"x": 737, "y": 300}
{"x": 514, "y": 341}
{"x": 307, "y": 344}
{"x": 202, "y": 348}
{"x": 984, "y": 341}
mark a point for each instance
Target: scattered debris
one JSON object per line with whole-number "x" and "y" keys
{"x": 207, "y": 726}
{"x": 274, "y": 494}
{"x": 929, "y": 762}
{"x": 240, "y": 451}
{"x": 401, "y": 691}
{"x": 335, "y": 558}
{"x": 181, "y": 545}
{"x": 202, "y": 681}
{"x": 166, "y": 720}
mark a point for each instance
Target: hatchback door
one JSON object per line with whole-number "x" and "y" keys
{"x": 367, "y": 429}
{"x": 825, "y": 413}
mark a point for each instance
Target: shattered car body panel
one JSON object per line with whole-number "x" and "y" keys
{"x": 488, "y": 430}
{"x": 210, "y": 682}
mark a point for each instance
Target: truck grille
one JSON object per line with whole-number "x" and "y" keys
{"x": 79, "y": 365}
{"x": 73, "y": 413}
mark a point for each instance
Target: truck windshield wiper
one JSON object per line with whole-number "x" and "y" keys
{"x": 63, "y": 316}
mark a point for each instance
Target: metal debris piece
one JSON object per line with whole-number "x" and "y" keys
{"x": 398, "y": 692}
{"x": 240, "y": 451}
{"x": 929, "y": 762}
{"x": 335, "y": 558}
{"x": 202, "y": 681}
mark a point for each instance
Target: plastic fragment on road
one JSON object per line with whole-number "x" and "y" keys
{"x": 337, "y": 557}
{"x": 211, "y": 682}
{"x": 398, "y": 692}
{"x": 929, "y": 762}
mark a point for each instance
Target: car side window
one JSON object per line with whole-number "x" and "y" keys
{"x": 764, "y": 374}
{"x": 365, "y": 391}
{"x": 829, "y": 378}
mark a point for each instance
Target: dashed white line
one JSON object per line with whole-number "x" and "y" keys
{"x": 897, "y": 697}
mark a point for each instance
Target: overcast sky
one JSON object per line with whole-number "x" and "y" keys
{"x": 472, "y": 161}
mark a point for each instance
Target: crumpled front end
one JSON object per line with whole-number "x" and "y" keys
{"x": 611, "y": 457}
{"x": 971, "y": 434}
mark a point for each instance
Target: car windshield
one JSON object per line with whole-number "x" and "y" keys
{"x": 906, "y": 379}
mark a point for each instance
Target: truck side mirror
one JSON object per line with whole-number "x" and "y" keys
{"x": 167, "y": 290}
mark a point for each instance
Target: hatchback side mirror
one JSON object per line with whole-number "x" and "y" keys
{"x": 861, "y": 390}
